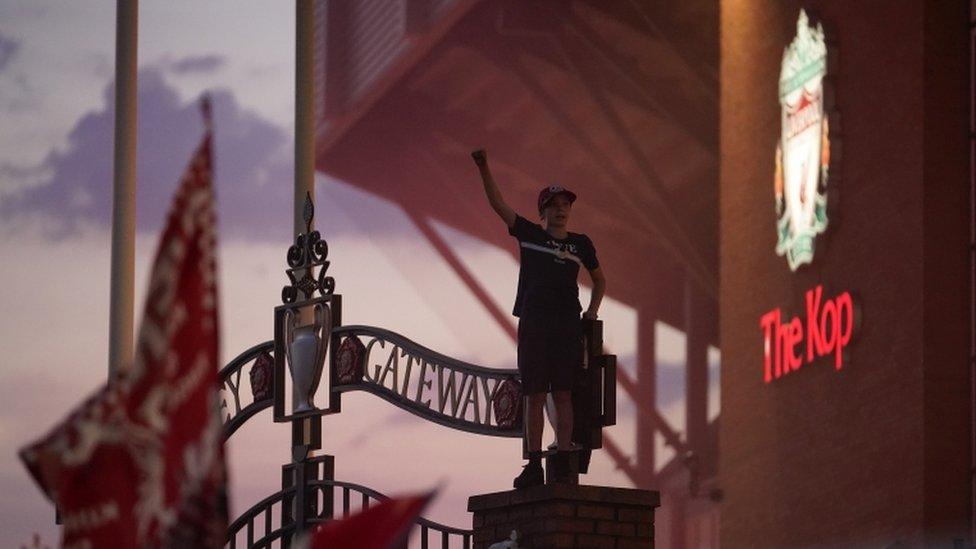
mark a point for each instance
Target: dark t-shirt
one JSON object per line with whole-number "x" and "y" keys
{"x": 549, "y": 267}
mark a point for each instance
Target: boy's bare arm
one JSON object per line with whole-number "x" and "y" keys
{"x": 596, "y": 296}
{"x": 495, "y": 199}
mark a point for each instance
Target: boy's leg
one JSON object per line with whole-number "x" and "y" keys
{"x": 567, "y": 356}
{"x": 562, "y": 470}
{"x": 534, "y": 420}
{"x": 532, "y": 474}
{"x": 564, "y": 419}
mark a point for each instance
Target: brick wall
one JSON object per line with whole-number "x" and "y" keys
{"x": 876, "y": 453}
{"x": 566, "y": 516}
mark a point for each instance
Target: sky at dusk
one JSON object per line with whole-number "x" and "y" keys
{"x": 56, "y": 128}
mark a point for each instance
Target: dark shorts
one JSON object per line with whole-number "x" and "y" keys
{"x": 550, "y": 350}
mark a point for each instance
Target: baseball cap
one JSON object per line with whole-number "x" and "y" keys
{"x": 547, "y": 194}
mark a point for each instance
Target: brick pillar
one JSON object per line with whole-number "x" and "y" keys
{"x": 563, "y": 515}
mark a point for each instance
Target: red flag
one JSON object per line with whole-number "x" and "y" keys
{"x": 141, "y": 463}
{"x": 386, "y": 524}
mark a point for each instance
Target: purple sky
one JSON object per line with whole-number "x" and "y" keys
{"x": 252, "y": 165}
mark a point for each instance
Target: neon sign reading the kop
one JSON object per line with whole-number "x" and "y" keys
{"x": 827, "y": 329}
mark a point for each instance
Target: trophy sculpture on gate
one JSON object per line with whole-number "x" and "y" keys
{"x": 305, "y": 348}
{"x": 303, "y": 327}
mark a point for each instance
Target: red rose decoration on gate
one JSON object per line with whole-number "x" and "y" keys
{"x": 507, "y": 404}
{"x": 261, "y": 377}
{"x": 349, "y": 361}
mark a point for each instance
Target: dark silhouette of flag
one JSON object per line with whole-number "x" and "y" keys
{"x": 384, "y": 525}
{"x": 141, "y": 463}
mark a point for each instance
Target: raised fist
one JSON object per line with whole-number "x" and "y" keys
{"x": 480, "y": 157}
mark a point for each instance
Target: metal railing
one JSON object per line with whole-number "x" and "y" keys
{"x": 368, "y": 495}
{"x": 270, "y": 522}
{"x": 263, "y": 510}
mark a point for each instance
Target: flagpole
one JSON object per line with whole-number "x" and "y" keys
{"x": 121, "y": 307}
{"x": 304, "y": 164}
{"x": 304, "y": 109}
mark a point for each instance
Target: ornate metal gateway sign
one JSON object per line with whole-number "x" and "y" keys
{"x": 433, "y": 386}
{"x": 803, "y": 152}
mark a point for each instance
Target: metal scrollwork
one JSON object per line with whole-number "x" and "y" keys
{"x": 309, "y": 252}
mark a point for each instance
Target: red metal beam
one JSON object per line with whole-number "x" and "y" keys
{"x": 623, "y": 462}
{"x": 671, "y": 437}
{"x": 459, "y": 269}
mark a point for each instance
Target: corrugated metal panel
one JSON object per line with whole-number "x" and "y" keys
{"x": 361, "y": 40}
{"x": 368, "y": 38}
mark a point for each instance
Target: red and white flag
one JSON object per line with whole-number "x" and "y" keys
{"x": 384, "y": 525}
{"x": 141, "y": 462}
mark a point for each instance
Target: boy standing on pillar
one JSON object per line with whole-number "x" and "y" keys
{"x": 550, "y": 339}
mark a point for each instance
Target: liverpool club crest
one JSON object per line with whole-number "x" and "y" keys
{"x": 803, "y": 152}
